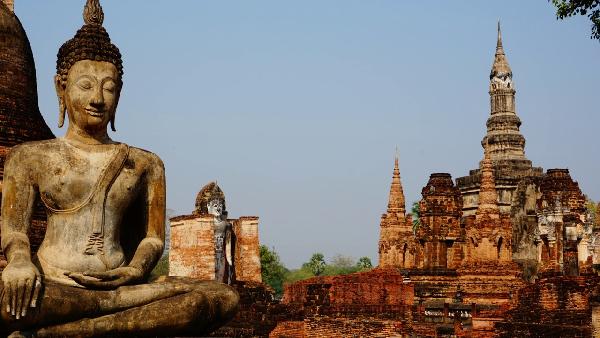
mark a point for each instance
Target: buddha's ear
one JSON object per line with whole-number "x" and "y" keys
{"x": 112, "y": 122}
{"x": 112, "y": 116}
{"x": 60, "y": 92}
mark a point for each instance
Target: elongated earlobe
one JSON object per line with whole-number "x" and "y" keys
{"x": 112, "y": 122}
{"x": 61, "y": 112}
{"x": 60, "y": 92}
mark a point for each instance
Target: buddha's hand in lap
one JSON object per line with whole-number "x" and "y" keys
{"x": 21, "y": 286}
{"x": 107, "y": 280}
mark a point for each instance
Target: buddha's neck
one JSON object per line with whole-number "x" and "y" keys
{"x": 82, "y": 136}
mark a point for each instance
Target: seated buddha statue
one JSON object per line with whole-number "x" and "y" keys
{"x": 105, "y": 203}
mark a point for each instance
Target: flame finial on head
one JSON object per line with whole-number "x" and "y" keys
{"x": 92, "y": 13}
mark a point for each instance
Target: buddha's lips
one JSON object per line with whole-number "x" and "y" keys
{"x": 95, "y": 113}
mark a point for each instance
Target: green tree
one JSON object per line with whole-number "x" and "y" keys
{"x": 591, "y": 8}
{"x": 272, "y": 270}
{"x": 364, "y": 263}
{"x": 592, "y": 209}
{"x": 340, "y": 265}
{"x": 342, "y": 262}
{"x": 591, "y": 206}
{"x": 316, "y": 264}
{"x": 415, "y": 211}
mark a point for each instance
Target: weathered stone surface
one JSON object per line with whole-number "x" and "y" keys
{"x": 551, "y": 227}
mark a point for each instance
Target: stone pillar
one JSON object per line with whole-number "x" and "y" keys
{"x": 247, "y": 252}
{"x": 192, "y": 251}
{"x": 10, "y": 4}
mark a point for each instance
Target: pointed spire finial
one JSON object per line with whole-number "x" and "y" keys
{"x": 92, "y": 13}
{"x": 397, "y": 156}
{"x": 396, "y": 204}
{"x": 499, "y": 48}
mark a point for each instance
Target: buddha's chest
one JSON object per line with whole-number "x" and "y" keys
{"x": 76, "y": 178}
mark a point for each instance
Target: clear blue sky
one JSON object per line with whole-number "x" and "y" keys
{"x": 296, "y": 107}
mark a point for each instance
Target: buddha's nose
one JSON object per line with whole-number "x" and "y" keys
{"x": 97, "y": 99}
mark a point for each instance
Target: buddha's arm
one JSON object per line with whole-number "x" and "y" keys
{"x": 152, "y": 246}
{"x": 18, "y": 196}
{"x": 20, "y": 276}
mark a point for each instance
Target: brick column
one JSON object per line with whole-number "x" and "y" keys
{"x": 247, "y": 253}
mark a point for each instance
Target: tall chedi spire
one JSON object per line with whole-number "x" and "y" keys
{"x": 396, "y": 238}
{"x": 488, "y": 198}
{"x": 503, "y": 140}
{"x": 506, "y": 144}
{"x": 396, "y": 203}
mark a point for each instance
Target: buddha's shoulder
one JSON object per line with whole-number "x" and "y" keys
{"x": 33, "y": 148}
{"x": 144, "y": 156}
{"x": 30, "y": 154}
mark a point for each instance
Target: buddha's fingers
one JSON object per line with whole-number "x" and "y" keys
{"x": 94, "y": 283}
{"x": 110, "y": 285}
{"x": 27, "y": 296}
{"x": 21, "y": 287}
{"x": 103, "y": 275}
{"x": 36, "y": 290}
{"x": 13, "y": 297}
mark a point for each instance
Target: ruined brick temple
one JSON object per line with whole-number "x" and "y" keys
{"x": 507, "y": 251}
{"x": 192, "y": 249}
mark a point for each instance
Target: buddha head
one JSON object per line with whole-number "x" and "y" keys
{"x": 211, "y": 201}
{"x": 215, "y": 207}
{"x": 89, "y": 73}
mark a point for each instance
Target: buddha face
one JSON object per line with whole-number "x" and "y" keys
{"x": 215, "y": 207}
{"x": 90, "y": 94}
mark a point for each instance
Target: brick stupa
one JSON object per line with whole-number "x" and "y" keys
{"x": 20, "y": 118}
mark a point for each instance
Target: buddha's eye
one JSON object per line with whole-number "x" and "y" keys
{"x": 109, "y": 87}
{"x": 85, "y": 84}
